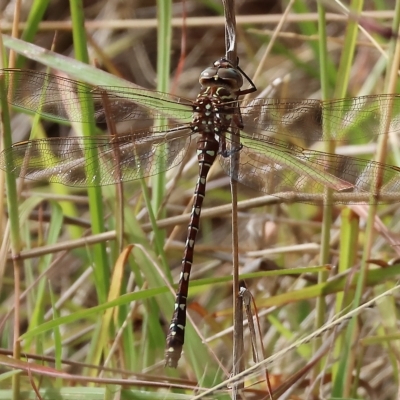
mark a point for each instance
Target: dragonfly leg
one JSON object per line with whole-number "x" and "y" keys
{"x": 227, "y": 153}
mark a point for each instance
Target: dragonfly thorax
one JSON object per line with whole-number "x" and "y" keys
{"x": 213, "y": 110}
{"x": 222, "y": 74}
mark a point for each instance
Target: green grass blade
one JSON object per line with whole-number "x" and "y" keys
{"x": 163, "y": 74}
{"x": 101, "y": 267}
{"x": 36, "y": 14}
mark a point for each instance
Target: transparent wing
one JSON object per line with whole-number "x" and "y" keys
{"x": 268, "y": 161}
{"x": 306, "y": 119}
{"x": 277, "y": 167}
{"x": 58, "y": 98}
{"x": 313, "y": 120}
{"x": 123, "y": 158}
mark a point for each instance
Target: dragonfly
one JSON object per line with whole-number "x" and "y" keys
{"x": 266, "y": 144}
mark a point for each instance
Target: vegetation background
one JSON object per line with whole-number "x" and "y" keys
{"x": 71, "y": 270}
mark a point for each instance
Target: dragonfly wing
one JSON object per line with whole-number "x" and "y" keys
{"x": 60, "y": 98}
{"x": 311, "y": 120}
{"x": 280, "y": 168}
{"x": 122, "y": 158}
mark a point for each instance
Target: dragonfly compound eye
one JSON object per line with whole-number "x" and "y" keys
{"x": 221, "y": 76}
{"x": 231, "y": 76}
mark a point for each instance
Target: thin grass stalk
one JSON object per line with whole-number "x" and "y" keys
{"x": 119, "y": 189}
{"x": 4, "y": 250}
{"x": 12, "y": 204}
{"x": 158, "y": 238}
{"x": 15, "y": 32}
{"x": 391, "y": 83}
{"x": 101, "y": 267}
{"x": 36, "y": 13}
{"x": 164, "y": 34}
{"x": 327, "y": 208}
{"x": 308, "y": 28}
{"x": 348, "y": 52}
{"x": 349, "y": 231}
{"x": 57, "y": 338}
{"x": 13, "y": 215}
{"x": 390, "y": 87}
{"x": 282, "y": 20}
{"x": 388, "y": 306}
{"x": 341, "y": 91}
{"x": 158, "y": 182}
{"x": 37, "y": 295}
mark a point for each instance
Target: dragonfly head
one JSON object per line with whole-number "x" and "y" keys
{"x": 223, "y": 73}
